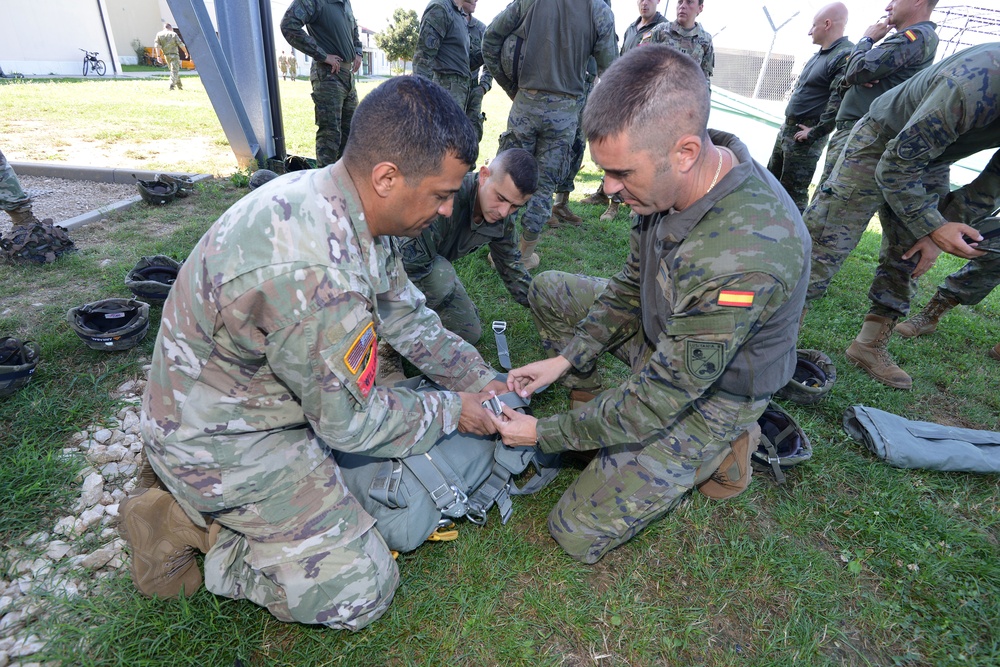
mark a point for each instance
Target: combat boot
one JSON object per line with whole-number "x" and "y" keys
{"x": 147, "y": 479}
{"x": 995, "y": 352}
{"x": 163, "y": 541}
{"x": 529, "y": 258}
{"x": 870, "y": 353}
{"x": 23, "y": 216}
{"x": 732, "y": 476}
{"x": 611, "y": 212}
{"x": 927, "y": 320}
{"x": 598, "y": 198}
{"x": 562, "y": 211}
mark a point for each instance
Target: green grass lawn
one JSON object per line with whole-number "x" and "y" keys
{"x": 850, "y": 562}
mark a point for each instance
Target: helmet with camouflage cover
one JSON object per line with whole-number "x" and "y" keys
{"x": 152, "y": 277}
{"x": 37, "y": 241}
{"x": 260, "y": 177}
{"x": 17, "y": 363}
{"x": 185, "y": 184}
{"x": 813, "y": 379}
{"x": 157, "y": 192}
{"x": 783, "y": 443}
{"x": 110, "y": 324}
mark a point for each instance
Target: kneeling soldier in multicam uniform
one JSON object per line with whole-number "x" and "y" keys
{"x": 705, "y": 311}
{"x": 265, "y": 362}
{"x": 483, "y": 213}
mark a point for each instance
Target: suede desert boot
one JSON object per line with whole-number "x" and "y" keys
{"x": 732, "y": 477}
{"x": 870, "y": 353}
{"x": 927, "y": 320}
{"x": 598, "y": 198}
{"x": 562, "y": 211}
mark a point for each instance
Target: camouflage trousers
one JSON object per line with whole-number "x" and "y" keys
{"x": 11, "y": 194}
{"x": 834, "y": 148}
{"x": 627, "y": 487}
{"x": 793, "y": 163}
{"x": 544, "y": 124}
{"x": 174, "y": 63}
{"x": 457, "y": 86}
{"x": 447, "y": 297}
{"x": 577, "y": 151}
{"x": 841, "y": 211}
{"x": 973, "y": 282}
{"x": 309, "y": 554}
{"x": 474, "y": 110}
{"x": 335, "y": 99}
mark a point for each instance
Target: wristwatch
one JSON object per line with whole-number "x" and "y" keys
{"x": 866, "y": 38}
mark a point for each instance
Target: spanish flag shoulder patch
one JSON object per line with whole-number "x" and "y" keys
{"x": 734, "y": 298}
{"x": 910, "y": 35}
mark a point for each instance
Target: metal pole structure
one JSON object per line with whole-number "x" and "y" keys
{"x": 767, "y": 58}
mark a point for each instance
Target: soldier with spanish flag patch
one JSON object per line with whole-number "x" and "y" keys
{"x": 705, "y": 311}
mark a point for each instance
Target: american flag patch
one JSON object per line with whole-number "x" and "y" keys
{"x": 734, "y": 298}
{"x": 359, "y": 348}
{"x": 910, "y": 35}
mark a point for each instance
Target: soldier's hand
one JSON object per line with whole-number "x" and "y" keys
{"x": 878, "y": 30}
{"x": 334, "y": 62}
{"x": 928, "y": 251}
{"x": 357, "y": 64}
{"x": 475, "y": 418}
{"x": 803, "y": 133}
{"x": 496, "y": 386}
{"x": 516, "y": 429}
{"x": 526, "y": 380}
{"x": 950, "y": 237}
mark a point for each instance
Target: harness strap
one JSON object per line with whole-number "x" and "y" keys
{"x": 503, "y": 351}
{"x": 385, "y": 485}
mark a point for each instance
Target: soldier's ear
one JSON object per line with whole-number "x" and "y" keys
{"x": 385, "y": 177}
{"x": 686, "y": 151}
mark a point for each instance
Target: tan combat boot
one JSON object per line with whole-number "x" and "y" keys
{"x": 732, "y": 476}
{"x": 611, "y": 212}
{"x": 163, "y": 541}
{"x": 529, "y": 258}
{"x": 562, "y": 211}
{"x": 147, "y": 479}
{"x": 23, "y": 216}
{"x": 598, "y": 198}
{"x": 870, "y": 353}
{"x": 995, "y": 352}
{"x": 926, "y": 321}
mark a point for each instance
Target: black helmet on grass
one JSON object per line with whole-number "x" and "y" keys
{"x": 813, "y": 379}
{"x": 157, "y": 192}
{"x": 17, "y": 363}
{"x": 783, "y": 443}
{"x": 110, "y": 325}
{"x": 152, "y": 277}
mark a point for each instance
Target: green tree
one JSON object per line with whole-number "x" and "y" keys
{"x": 399, "y": 40}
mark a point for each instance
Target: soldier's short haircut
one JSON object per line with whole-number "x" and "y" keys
{"x": 521, "y": 166}
{"x": 654, "y": 94}
{"x": 413, "y": 123}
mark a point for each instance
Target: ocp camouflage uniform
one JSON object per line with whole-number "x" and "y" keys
{"x": 897, "y": 58}
{"x": 442, "y": 53}
{"x": 897, "y": 161}
{"x": 480, "y": 79}
{"x": 705, "y": 313}
{"x": 814, "y": 103}
{"x": 333, "y": 30}
{"x": 695, "y": 42}
{"x": 170, "y": 44}
{"x": 12, "y": 196}
{"x": 551, "y": 87}
{"x": 428, "y": 257}
{"x": 264, "y": 363}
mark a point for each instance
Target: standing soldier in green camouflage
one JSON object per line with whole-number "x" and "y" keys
{"x": 686, "y": 35}
{"x": 283, "y": 65}
{"x": 897, "y": 162}
{"x": 483, "y": 213}
{"x": 648, "y": 19}
{"x": 480, "y": 79}
{"x": 333, "y": 43}
{"x": 265, "y": 361}
{"x": 812, "y": 108}
{"x": 169, "y": 45}
{"x": 442, "y": 53}
{"x": 550, "y": 88}
{"x": 705, "y": 311}
{"x": 293, "y": 66}
{"x": 872, "y": 70}
{"x": 30, "y": 239}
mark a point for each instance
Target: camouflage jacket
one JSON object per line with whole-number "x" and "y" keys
{"x": 267, "y": 350}
{"x": 695, "y": 42}
{"x": 635, "y": 33}
{"x": 168, "y": 42}
{"x": 319, "y": 28}
{"x": 716, "y": 289}
{"x": 459, "y": 235}
{"x": 480, "y": 75}
{"x": 443, "y": 42}
{"x": 943, "y": 114}
{"x": 896, "y": 58}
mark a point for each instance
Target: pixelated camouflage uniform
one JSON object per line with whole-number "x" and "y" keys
{"x": 480, "y": 79}
{"x": 814, "y": 103}
{"x": 442, "y": 53}
{"x": 872, "y": 70}
{"x": 332, "y": 30}
{"x": 170, "y": 44}
{"x": 897, "y": 161}
{"x": 551, "y": 88}
{"x": 694, "y": 42}
{"x": 703, "y": 366}
{"x": 264, "y": 364}
{"x": 428, "y": 261}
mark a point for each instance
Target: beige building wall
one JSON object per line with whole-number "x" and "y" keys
{"x": 133, "y": 19}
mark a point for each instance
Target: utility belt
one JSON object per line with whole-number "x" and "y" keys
{"x": 798, "y": 120}
{"x": 845, "y": 124}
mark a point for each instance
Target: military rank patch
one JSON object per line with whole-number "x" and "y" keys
{"x": 358, "y": 352}
{"x": 734, "y": 298}
{"x": 703, "y": 359}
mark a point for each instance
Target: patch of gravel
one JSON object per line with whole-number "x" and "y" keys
{"x": 83, "y": 547}
{"x": 62, "y": 199}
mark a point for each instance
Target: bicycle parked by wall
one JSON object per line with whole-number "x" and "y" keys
{"x": 90, "y": 62}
